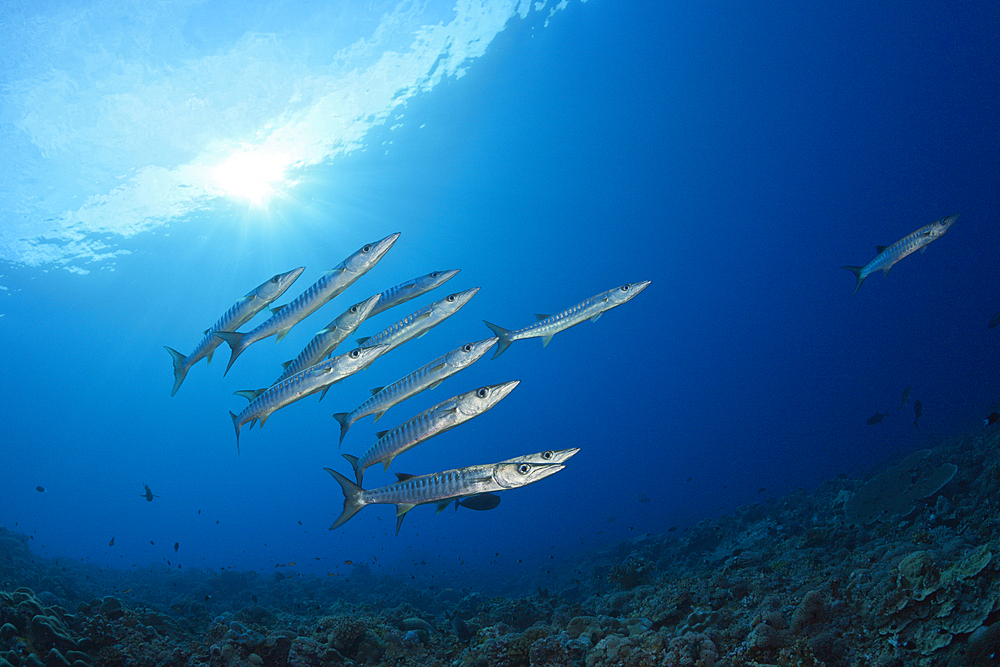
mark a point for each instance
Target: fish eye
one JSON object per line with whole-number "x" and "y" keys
{"x": 483, "y": 392}
{"x": 626, "y": 288}
{"x": 275, "y": 278}
{"x": 367, "y": 248}
{"x": 524, "y": 468}
{"x": 548, "y": 455}
{"x": 355, "y": 353}
{"x": 451, "y": 297}
{"x": 435, "y": 274}
{"x": 467, "y": 347}
{"x": 354, "y": 309}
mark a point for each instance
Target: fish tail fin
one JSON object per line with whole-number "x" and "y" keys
{"x": 359, "y": 473}
{"x": 180, "y": 368}
{"x": 856, "y": 270}
{"x": 235, "y": 340}
{"x": 236, "y": 424}
{"x": 502, "y": 334}
{"x": 352, "y": 502}
{"x": 344, "y": 425}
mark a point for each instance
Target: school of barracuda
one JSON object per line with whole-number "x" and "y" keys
{"x": 315, "y": 370}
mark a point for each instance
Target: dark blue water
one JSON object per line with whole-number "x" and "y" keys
{"x": 735, "y": 156}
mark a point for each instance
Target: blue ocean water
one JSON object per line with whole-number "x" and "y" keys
{"x": 736, "y": 156}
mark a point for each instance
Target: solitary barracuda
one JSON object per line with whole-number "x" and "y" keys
{"x": 332, "y": 283}
{"x": 330, "y": 336}
{"x": 427, "y": 376}
{"x": 239, "y": 314}
{"x": 444, "y": 416}
{"x": 888, "y": 255}
{"x": 549, "y": 325}
{"x": 417, "y": 324}
{"x": 548, "y": 456}
{"x": 413, "y": 490}
{"x": 411, "y": 289}
{"x": 313, "y": 379}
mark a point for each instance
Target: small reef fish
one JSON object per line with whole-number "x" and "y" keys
{"x": 877, "y": 418}
{"x": 40, "y": 489}
{"x": 989, "y": 421}
{"x": 329, "y": 337}
{"x": 413, "y": 490}
{"x": 148, "y": 495}
{"x": 417, "y": 324}
{"x": 444, "y": 416}
{"x": 888, "y": 255}
{"x": 549, "y": 325}
{"x": 411, "y": 289}
{"x": 239, "y": 314}
{"x": 315, "y": 378}
{"x": 918, "y": 410}
{"x": 427, "y": 376}
{"x": 481, "y": 502}
{"x": 905, "y": 398}
{"x": 112, "y": 542}
{"x": 332, "y": 283}
{"x": 994, "y": 321}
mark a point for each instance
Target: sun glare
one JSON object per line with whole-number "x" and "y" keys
{"x": 251, "y": 174}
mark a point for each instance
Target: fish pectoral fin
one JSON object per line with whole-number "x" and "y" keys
{"x": 597, "y": 316}
{"x": 545, "y": 340}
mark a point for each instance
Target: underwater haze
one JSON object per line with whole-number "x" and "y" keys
{"x": 161, "y": 160}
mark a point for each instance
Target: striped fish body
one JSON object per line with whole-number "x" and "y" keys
{"x": 549, "y": 325}
{"x": 238, "y": 314}
{"x": 427, "y": 376}
{"x": 332, "y": 283}
{"x": 413, "y": 490}
{"x": 411, "y": 289}
{"x": 332, "y": 335}
{"x": 548, "y": 456}
{"x": 444, "y": 416}
{"x": 420, "y": 322}
{"x": 302, "y": 384}
{"x": 888, "y": 255}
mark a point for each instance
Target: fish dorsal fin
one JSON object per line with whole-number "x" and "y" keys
{"x": 277, "y": 309}
{"x": 880, "y": 248}
{"x": 362, "y": 341}
{"x": 541, "y": 316}
{"x": 596, "y": 317}
{"x": 377, "y": 390}
{"x": 250, "y": 394}
{"x": 402, "y": 477}
{"x": 286, "y": 364}
{"x": 380, "y": 434}
{"x": 207, "y": 331}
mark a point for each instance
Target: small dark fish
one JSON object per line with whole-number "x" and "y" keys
{"x": 151, "y": 542}
{"x": 762, "y": 489}
{"x": 643, "y": 498}
{"x": 207, "y": 597}
{"x": 177, "y": 545}
{"x": 112, "y": 542}
{"x": 992, "y": 419}
{"x": 918, "y": 410}
{"x": 149, "y": 494}
{"x": 479, "y": 502}
{"x": 905, "y": 398}
{"x": 254, "y": 598}
{"x": 877, "y": 417}
{"x": 348, "y": 562}
{"x": 671, "y": 529}
{"x": 994, "y": 322}
{"x": 461, "y": 629}
{"x": 40, "y": 489}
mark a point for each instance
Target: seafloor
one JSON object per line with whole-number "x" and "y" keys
{"x": 897, "y": 570}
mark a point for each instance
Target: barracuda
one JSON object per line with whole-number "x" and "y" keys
{"x": 888, "y": 255}
{"x": 444, "y": 416}
{"x": 413, "y": 490}
{"x": 427, "y": 376}
{"x": 332, "y": 283}
{"x": 239, "y": 314}
{"x": 549, "y": 325}
{"x": 330, "y": 336}
{"x": 313, "y": 379}
{"x": 411, "y": 289}
{"x": 417, "y": 324}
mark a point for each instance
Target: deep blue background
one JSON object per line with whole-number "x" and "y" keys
{"x": 736, "y": 156}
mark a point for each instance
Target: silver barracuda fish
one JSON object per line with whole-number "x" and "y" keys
{"x": 239, "y": 314}
{"x": 330, "y": 336}
{"x": 548, "y": 456}
{"x": 444, "y": 416}
{"x": 888, "y": 255}
{"x": 332, "y": 283}
{"x": 413, "y": 490}
{"x": 549, "y": 325}
{"x": 411, "y": 289}
{"x": 427, "y": 376}
{"x": 417, "y": 324}
{"x": 313, "y": 379}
